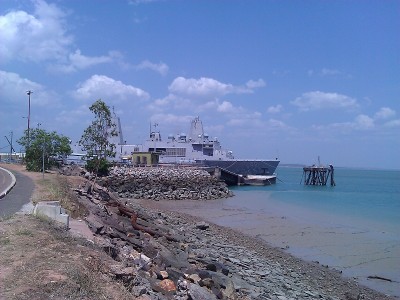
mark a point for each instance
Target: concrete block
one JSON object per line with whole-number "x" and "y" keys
{"x": 52, "y": 210}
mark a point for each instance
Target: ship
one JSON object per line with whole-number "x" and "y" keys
{"x": 198, "y": 148}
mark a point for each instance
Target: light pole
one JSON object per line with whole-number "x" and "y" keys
{"x": 43, "y": 161}
{"x": 29, "y": 112}
{"x": 43, "y": 150}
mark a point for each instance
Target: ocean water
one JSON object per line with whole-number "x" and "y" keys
{"x": 353, "y": 226}
{"x": 372, "y": 196}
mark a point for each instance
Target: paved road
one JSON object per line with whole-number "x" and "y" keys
{"x": 18, "y": 196}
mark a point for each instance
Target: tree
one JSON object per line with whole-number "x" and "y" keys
{"x": 96, "y": 138}
{"x": 43, "y": 147}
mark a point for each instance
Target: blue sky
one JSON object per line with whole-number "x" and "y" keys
{"x": 288, "y": 79}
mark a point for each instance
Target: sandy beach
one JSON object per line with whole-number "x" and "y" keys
{"x": 354, "y": 252}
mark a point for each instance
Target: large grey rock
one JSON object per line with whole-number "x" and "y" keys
{"x": 198, "y": 293}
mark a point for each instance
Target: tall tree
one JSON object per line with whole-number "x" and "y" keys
{"x": 96, "y": 138}
{"x": 42, "y": 147}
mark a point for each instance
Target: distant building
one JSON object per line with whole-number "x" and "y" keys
{"x": 14, "y": 157}
{"x": 145, "y": 158}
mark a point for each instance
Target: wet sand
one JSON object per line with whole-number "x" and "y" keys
{"x": 357, "y": 252}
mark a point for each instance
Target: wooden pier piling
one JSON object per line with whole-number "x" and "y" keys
{"x": 318, "y": 175}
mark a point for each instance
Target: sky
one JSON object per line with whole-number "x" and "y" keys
{"x": 292, "y": 80}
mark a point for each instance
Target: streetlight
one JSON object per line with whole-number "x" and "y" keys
{"x": 29, "y": 112}
{"x": 43, "y": 160}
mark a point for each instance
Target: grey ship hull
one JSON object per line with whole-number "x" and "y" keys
{"x": 199, "y": 148}
{"x": 244, "y": 167}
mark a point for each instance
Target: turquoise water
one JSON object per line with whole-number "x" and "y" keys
{"x": 370, "y": 196}
{"x": 356, "y": 223}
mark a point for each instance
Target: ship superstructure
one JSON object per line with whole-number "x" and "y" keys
{"x": 198, "y": 147}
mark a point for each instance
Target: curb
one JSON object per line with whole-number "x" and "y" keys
{"x": 13, "y": 181}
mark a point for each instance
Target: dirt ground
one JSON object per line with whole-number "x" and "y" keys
{"x": 39, "y": 260}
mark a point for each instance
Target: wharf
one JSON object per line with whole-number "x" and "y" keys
{"x": 320, "y": 175}
{"x": 231, "y": 178}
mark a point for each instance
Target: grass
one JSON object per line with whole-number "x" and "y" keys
{"x": 40, "y": 260}
{"x": 58, "y": 188}
{"x": 24, "y": 231}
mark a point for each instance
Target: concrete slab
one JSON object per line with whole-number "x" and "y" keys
{"x": 52, "y": 210}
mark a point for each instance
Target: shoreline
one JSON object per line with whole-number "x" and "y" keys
{"x": 266, "y": 270}
{"x": 230, "y": 219}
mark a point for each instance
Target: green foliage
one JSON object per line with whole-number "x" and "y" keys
{"x": 96, "y": 139}
{"x": 98, "y": 166}
{"x": 41, "y": 144}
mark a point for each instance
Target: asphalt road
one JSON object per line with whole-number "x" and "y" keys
{"x": 18, "y": 196}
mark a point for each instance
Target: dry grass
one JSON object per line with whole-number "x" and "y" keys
{"x": 39, "y": 260}
{"x": 58, "y": 187}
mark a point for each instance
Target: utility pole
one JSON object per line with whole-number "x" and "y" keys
{"x": 29, "y": 113}
{"x": 43, "y": 160}
{"x": 11, "y": 147}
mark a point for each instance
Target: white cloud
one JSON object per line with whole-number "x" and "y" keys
{"x": 161, "y": 68}
{"x": 78, "y": 61}
{"x": 171, "y": 119}
{"x": 319, "y": 100}
{"x": 246, "y": 120}
{"x": 363, "y": 122}
{"x": 330, "y": 72}
{"x": 275, "y": 109}
{"x": 137, "y": 2}
{"x": 42, "y": 37}
{"x": 38, "y": 37}
{"x": 200, "y": 87}
{"x": 225, "y": 107}
{"x": 108, "y": 89}
{"x": 360, "y": 122}
{"x": 207, "y": 87}
{"x": 208, "y": 106}
{"x": 13, "y": 89}
{"x": 392, "y": 123}
{"x": 277, "y": 124}
{"x": 172, "y": 102}
{"x": 326, "y": 72}
{"x": 252, "y": 84}
{"x": 160, "y": 104}
{"x": 384, "y": 113}
{"x": 69, "y": 117}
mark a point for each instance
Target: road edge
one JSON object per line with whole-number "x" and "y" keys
{"x": 9, "y": 188}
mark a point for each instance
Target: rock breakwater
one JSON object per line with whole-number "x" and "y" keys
{"x": 162, "y": 255}
{"x": 165, "y": 184}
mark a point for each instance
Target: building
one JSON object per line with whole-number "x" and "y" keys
{"x": 145, "y": 158}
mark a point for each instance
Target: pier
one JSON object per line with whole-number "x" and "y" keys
{"x": 318, "y": 175}
{"x": 228, "y": 177}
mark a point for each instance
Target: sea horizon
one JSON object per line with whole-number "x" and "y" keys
{"x": 299, "y": 165}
